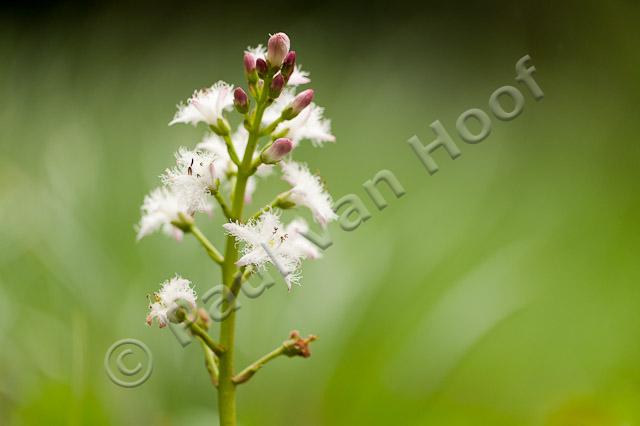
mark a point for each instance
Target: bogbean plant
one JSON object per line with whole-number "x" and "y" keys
{"x": 224, "y": 170}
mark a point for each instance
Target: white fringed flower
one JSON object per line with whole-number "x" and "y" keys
{"x": 193, "y": 177}
{"x": 307, "y": 190}
{"x": 268, "y": 241}
{"x": 309, "y": 124}
{"x": 206, "y": 105}
{"x": 166, "y": 301}
{"x": 297, "y": 78}
{"x": 159, "y": 209}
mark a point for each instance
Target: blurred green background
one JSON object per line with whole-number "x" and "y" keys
{"x": 501, "y": 291}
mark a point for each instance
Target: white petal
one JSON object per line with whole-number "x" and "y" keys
{"x": 243, "y": 233}
{"x": 298, "y": 77}
{"x": 206, "y": 105}
{"x": 159, "y": 208}
{"x": 259, "y": 51}
{"x": 307, "y": 190}
{"x": 306, "y": 248}
{"x": 257, "y": 257}
{"x": 309, "y": 124}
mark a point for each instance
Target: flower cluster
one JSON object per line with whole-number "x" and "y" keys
{"x": 225, "y": 166}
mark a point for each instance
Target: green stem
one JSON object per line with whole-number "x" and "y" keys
{"x": 274, "y": 203}
{"x": 248, "y": 372}
{"x": 231, "y": 149}
{"x": 241, "y": 278}
{"x": 258, "y": 161}
{"x": 208, "y": 246}
{"x": 271, "y": 127}
{"x": 226, "y": 387}
{"x": 210, "y": 363}
{"x": 223, "y": 204}
{"x": 204, "y": 336}
{"x": 294, "y": 346}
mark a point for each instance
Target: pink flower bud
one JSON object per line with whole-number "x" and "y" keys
{"x": 249, "y": 62}
{"x": 301, "y": 101}
{"x": 240, "y": 100}
{"x": 288, "y": 64}
{"x": 277, "y": 49}
{"x": 277, "y": 84}
{"x": 277, "y": 151}
{"x": 261, "y": 67}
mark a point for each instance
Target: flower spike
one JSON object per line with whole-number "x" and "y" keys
{"x": 225, "y": 169}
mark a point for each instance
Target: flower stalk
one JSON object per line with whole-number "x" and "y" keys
{"x": 197, "y": 331}
{"x": 231, "y": 149}
{"x": 280, "y": 202}
{"x": 221, "y": 202}
{"x": 294, "y": 346}
{"x": 195, "y": 326}
{"x": 271, "y": 127}
{"x": 210, "y": 363}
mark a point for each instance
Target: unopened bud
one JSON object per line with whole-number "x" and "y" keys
{"x": 277, "y": 84}
{"x": 300, "y": 102}
{"x": 277, "y": 49}
{"x": 240, "y": 100}
{"x": 249, "y": 62}
{"x": 277, "y": 151}
{"x": 250, "y": 67}
{"x": 261, "y": 67}
{"x": 288, "y": 64}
